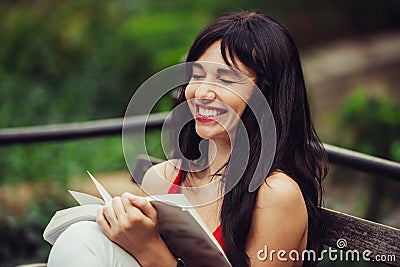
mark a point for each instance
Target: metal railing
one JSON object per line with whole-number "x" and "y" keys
{"x": 71, "y": 131}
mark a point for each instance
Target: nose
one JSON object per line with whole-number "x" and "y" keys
{"x": 205, "y": 91}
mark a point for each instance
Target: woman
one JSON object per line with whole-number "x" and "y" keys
{"x": 282, "y": 213}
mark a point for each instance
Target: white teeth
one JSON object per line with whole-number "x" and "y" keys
{"x": 209, "y": 112}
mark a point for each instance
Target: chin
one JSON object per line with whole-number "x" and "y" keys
{"x": 210, "y": 132}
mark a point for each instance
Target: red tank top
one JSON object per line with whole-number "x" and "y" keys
{"x": 174, "y": 189}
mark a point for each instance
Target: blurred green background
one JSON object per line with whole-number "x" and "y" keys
{"x": 71, "y": 61}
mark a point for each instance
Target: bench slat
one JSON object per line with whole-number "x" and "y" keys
{"x": 361, "y": 235}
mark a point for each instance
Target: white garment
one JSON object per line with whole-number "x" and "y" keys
{"x": 84, "y": 244}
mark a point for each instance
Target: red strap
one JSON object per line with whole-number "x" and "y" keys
{"x": 174, "y": 189}
{"x": 218, "y": 235}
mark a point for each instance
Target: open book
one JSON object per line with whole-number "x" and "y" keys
{"x": 180, "y": 226}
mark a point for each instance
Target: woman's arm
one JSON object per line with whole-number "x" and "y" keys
{"x": 131, "y": 222}
{"x": 279, "y": 224}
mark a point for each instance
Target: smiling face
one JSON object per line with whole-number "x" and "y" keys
{"x": 217, "y": 94}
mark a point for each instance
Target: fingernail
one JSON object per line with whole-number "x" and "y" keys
{"x": 132, "y": 197}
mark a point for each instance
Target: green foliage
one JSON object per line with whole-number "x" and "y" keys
{"x": 69, "y": 64}
{"x": 58, "y": 161}
{"x": 367, "y": 119}
{"x": 370, "y": 123}
{"x": 21, "y": 236}
{"x": 395, "y": 150}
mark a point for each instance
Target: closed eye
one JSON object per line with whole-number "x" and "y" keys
{"x": 198, "y": 76}
{"x": 226, "y": 81}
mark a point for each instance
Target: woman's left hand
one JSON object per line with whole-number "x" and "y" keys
{"x": 132, "y": 222}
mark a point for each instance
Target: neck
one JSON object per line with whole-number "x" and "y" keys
{"x": 219, "y": 151}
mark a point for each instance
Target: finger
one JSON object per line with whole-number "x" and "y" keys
{"x": 109, "y": 214}
{"x": 102, "y": 221}
{"x": 141, "y": 203}
{"x": 119, "y": 209}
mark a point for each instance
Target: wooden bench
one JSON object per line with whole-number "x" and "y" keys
{"x": 379, "y": 242}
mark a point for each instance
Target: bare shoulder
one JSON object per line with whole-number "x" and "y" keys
{"x": 279, "y": 220}
{"x": 280, "y": 200}
{"x": 158, "y": 178}
{"x": 280, "y": 190}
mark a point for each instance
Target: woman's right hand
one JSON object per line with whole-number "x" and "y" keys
{"x": 132, "y": 222}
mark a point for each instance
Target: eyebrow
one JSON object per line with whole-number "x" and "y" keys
{"x": 228, "y": 70}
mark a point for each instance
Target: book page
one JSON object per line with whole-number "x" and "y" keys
{"x": 62, "y": 219}
{"x": 185, "y": 233}
{"x": 104, "y": 194}
{"x": 85, "y": 199}
{"x": 181, "y": 200}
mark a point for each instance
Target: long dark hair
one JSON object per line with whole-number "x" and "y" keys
{"x": 265, "y": 47}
